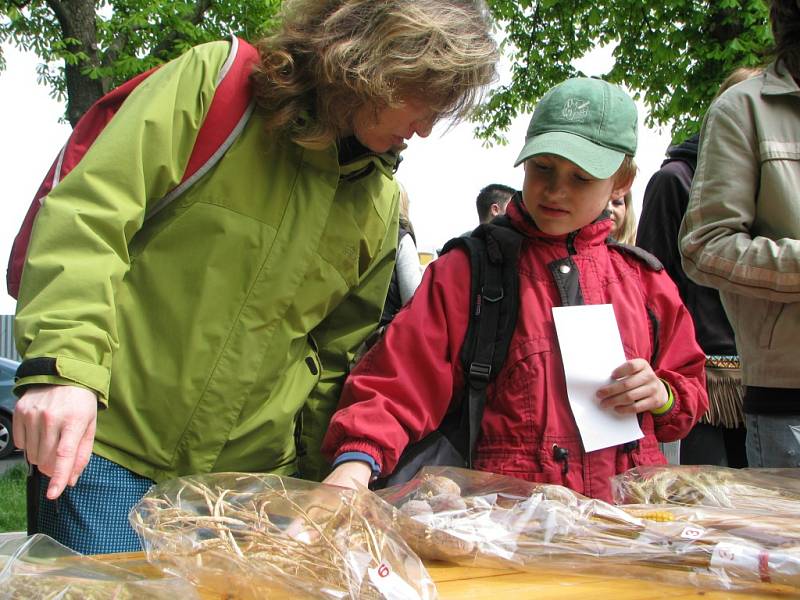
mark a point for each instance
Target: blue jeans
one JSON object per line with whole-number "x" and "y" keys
{"x": 92, "y": 517}
{"x": 773, "y": 441}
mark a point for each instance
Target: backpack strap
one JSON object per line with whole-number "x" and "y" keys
{"x": 80, "y": 140}
{"x": 230, "y": 109}
{"x": 494, "y": 307}
{"x": 638, "y": 253}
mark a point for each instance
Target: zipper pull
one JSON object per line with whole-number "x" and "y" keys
{"x": 561, "y": 455}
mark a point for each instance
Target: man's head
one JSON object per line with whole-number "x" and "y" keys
{"x": 492, "y": 201}
{"x": 578, "y": 153}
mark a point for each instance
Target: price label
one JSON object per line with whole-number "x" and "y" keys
{"x": 692, "y": 532}
{"x": 742, "y": 559}
{"x": 390, "y": 584}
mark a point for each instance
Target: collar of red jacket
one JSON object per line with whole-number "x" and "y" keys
{"x": 592, "y": 235}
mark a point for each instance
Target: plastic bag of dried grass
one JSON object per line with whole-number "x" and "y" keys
{"x": 39, "y": 568}
{"x": 235, "y": 534}
{"x": 478, "y": 518}
{"x": 768, "y": 490}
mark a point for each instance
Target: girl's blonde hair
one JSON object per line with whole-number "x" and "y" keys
{"x": 737, "y": 76}
{"x": 329, "y": 58}
{"x": 626, "y": 234}
{"x": 405, "y": 219}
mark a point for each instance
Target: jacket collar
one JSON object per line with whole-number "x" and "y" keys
{"x": 594, "y": 234}
{"x": 348, "y": 159}
{"x": 354, "y": 157}
{"x": 778, "y": 81}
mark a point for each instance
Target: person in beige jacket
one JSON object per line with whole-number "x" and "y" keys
{"x": 741, "y": 235}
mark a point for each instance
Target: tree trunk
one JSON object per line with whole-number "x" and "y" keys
{"x": 77, "y": 20}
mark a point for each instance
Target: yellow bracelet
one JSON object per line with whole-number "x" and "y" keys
{"x": 668, "y": 404}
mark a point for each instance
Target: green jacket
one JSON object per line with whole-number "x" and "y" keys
{"x": 217, "y": 332}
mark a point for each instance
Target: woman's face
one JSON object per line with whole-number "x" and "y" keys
{"x": 389, "y": 127}
{"x": 617, "y": 208}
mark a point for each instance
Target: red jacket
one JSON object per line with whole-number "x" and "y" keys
{"x": 402, "y": 388}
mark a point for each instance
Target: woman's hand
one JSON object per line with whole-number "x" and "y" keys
{"x": 55, "y": 425}
{"x": 635, "y": 389}
{"x": 350, "y": 473}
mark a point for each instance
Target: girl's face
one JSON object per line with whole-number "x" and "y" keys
{"x": 389, "y": 127}
{"x": 617, "y": 208}
{"x": 561, "y": 197}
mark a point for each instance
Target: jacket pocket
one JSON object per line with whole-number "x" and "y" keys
{"x": 313, "y": 361}
{"x": 642, "y": 452}
{"x": 525, "y": 415}
{"x": 754, "y": 320}
{"x": 772, "y": 312}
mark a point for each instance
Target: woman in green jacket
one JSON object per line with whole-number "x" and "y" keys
{"x": 214, "y": 336}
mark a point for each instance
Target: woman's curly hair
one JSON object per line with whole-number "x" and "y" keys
{"x": 328, "y": 58}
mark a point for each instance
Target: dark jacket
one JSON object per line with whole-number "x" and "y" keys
{"x": 663, "y": 207}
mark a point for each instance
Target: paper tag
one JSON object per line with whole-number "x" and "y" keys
{"x": 692, "y": 532}
{"x": 390, "y": 584}
{"x": 743, "y": 559}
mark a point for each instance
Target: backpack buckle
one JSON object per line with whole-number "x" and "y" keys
{"x": 479, "y": 371}
{"x": 491, "y": 293}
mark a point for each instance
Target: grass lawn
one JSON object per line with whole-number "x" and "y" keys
{"x": 13, "y": 515}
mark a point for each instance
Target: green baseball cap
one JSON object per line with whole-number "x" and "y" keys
{"x": 590, "y": 122}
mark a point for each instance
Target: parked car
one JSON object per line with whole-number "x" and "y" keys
{"x": 8, "y": 368}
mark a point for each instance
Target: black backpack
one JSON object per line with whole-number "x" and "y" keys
{"x": 493, "y": 250}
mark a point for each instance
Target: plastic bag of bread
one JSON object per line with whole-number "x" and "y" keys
{"x": 476, "y": 518}
{"x": 255, "y": 536}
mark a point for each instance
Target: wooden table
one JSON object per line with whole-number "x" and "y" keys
{"x": 473, "y": 583}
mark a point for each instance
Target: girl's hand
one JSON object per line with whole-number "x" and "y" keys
{"x": 635, "y": 389}
{"x": 348, "y": 474}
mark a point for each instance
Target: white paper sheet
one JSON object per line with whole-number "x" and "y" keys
{"x": 591, "y": 348}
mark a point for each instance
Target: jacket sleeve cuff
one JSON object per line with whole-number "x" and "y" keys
{"x": 358, "y": 457}
{"x": 362, "y": 447}
{"x": 63, "y": 371}
{"x": 668, "y": 404}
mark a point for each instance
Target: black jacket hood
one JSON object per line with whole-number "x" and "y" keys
{"x": 685, "y": 151}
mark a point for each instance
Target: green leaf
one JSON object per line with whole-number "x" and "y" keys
{"x": 672, "y": 53}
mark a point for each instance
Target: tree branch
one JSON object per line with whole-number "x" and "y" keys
{"x": 21, "y": 4}
{"x": 168, "y": 41}
{"x": 123, "y": 40}
{"x": 62, "y": 16}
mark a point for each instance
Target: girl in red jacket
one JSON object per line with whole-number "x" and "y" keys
{"x": 578, "y": 154}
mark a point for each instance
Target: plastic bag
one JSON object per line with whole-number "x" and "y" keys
{"x": 39, "y": 568}
{"x": 476, "y": 518}
{"x": 769, "y": 490}
{"x": 250, "y": 535}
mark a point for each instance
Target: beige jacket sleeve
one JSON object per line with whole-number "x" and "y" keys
{"x": 740, "y": 232}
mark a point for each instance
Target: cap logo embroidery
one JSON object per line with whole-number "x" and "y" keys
{"x": 575, "y": 110}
